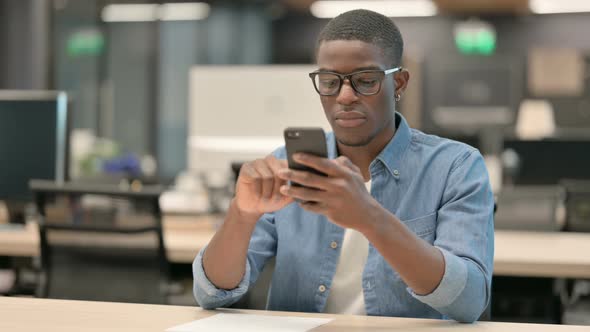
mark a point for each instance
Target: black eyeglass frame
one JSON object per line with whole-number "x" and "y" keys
{"x": 342, "y": 77}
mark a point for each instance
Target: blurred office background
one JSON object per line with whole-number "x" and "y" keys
{"x": 173, "y": 93}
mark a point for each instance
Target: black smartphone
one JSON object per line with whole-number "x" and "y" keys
{"x": 311, "y": 140}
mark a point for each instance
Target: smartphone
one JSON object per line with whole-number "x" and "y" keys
{"x": 311, "y": 140}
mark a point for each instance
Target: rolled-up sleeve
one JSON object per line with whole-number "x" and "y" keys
{"x": 261, "y": 248}
{"x": 208, "y": 295}
{"x": 465, "y": 236}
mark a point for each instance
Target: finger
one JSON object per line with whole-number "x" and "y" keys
{"x": 346, "y": 162}
{"x": 304, "y": 178}
{"x": 352, "y": 170}
{"x": 282, "y": 163}
{"x": 321, "y": 164}
{"x": 312, "y": 207}
{"x": 266, "y": 177}
{"x": 250, "y": 176}
{"x": 276, "y": 166}
{"x": 303, "y": 193}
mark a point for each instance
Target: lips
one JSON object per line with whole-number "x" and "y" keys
{"x": 350, "y": 119}
{"x": 350, "y": 123}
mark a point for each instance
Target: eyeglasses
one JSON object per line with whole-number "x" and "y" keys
{"x": 365, "y": 82}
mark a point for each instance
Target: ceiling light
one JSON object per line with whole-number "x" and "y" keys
{"x": 184, "y": 11}
{"x": 390, "y": 8}
{"x": 130, "y": 13}
{"x": 562, "y": 6}
{"x": 192, "y": 11}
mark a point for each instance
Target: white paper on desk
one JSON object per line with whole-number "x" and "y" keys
{"x": 250, "y": 323}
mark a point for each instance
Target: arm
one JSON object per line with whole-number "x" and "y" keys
{"x": 343, "y": 198}
{"x": 222, "y": 270}
{"x": 224, "y": 261}
{"x": 421, "y": 265}
{"x": 465, "y": 236}
{"x": 455, "y": 273}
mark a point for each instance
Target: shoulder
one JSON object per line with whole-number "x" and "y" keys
{"x": 440, "y": 148}
{"x": 436, "y": 145}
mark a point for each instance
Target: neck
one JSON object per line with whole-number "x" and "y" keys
{"x": 362, "y": 156}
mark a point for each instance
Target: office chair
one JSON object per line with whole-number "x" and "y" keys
{"x": 577, "y": 204}
{"x": 531, "y": 208}
{"x": 104, "y": 261}
{"x": 486, "y": 315}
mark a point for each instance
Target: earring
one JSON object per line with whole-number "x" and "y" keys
{"x": 398, "y": 97}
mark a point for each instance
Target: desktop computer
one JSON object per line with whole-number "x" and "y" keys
{"x": 248, "y": 124}
{"x": 33, "y": 144}
{"x": 549, "y": 161}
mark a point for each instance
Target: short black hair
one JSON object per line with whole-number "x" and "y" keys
{"x": 369, "y": 27}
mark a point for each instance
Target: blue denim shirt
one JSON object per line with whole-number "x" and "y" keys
{"x": 437, "y": 187}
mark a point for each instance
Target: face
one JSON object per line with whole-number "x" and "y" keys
{"x": 358, "y": 120}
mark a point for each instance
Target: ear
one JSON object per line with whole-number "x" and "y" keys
{"x": 402, "y": 79}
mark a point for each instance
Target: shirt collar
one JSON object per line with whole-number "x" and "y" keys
{"x": 391, "y": 156}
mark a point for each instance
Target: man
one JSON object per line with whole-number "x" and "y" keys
{"x": 401, "y": 226}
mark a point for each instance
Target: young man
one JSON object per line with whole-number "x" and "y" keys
{"x": 401, "y": 226}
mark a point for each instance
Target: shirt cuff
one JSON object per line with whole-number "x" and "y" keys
{"x": 451, "y": 285}
{"x": 211, "y": 292}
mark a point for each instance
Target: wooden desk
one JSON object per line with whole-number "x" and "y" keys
{"x": 20, "y": 242}
{"x": 540, "y": 254}
{"x": 32, "y": 315}
{"x": 527, "y": 254}
{"x": 183, "y": 238}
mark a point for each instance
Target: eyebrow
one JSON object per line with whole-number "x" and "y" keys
{"x": 355, "y": 70}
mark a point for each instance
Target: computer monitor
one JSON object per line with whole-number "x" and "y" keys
{"x": 33, "y": 141}
{"x": 468, "y": 94}
{"x": 238, "y": 113}
{"x": 549, "y": 161}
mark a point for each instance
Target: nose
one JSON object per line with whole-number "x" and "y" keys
{"x": 347, "y": 95}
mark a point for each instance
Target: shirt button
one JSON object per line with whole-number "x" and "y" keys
{"x": 395, "y": 172}
{"x": 333, "y": 245}
{"x": 322, "y": 288}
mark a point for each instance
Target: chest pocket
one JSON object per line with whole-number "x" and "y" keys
{"x": 423, "y": 226}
